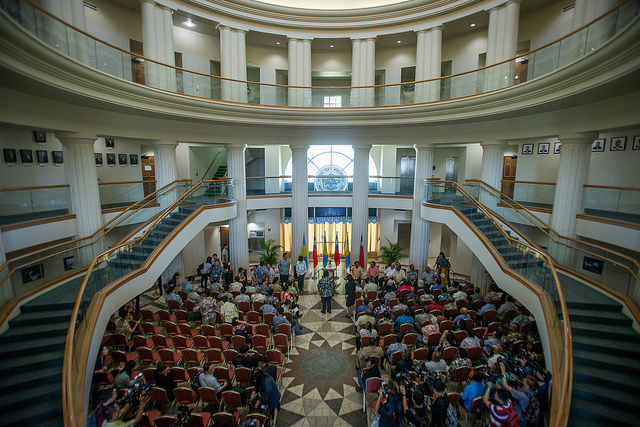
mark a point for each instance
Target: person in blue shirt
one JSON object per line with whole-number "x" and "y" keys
{"x": 216, "y": 271}
{"x": 463, "y": 315}
{"x": 486, "y": 308}
{"x": 363, "y": 307}
{"x": 401, "y": 320}
{"x": 267, "y": 389}
{"x": 473, "y": 390}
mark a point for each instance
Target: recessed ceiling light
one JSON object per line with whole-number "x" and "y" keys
{"x": 277, "y": 42}
{"x": 399, "y": 41}
{"x": 189, "y": 23}
{"x": 473, "y": 25}
{"x": 330, "y": 45}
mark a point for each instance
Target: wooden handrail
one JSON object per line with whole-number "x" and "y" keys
{"x": 520, "y": 182}
{"x": 38, "y": 187}
{"x": 611, "y": 187}
{"x": 68, "y": 358}
{"x": 269, "y": 177}
{"x": 128, "y": 182}
{"x": 135, "y": 55}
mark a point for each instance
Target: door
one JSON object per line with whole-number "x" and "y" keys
{"x": 148, "y": 174}
{"x": 407, "y": 170}
{"x": 404, "y": 236}
{"x": 451, "y": 172}
{"x": 509, "y": 175}
{"x": 224, "y": 237}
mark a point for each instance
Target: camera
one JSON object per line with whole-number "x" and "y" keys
{"x": 133, "y": 397}
{"x": 385, "y": 389}
{"x": 183, "y": 416}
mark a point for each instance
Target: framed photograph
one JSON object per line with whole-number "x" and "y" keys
{"x": 29, "y": 274}
{"x": 598, "y": 145}
{"x": 57, "y": 157}
{"x": 111, "y": 159}
{"x": 133, "y": 159}
{"x": 527, "y": 149}
{"x": 69, "y": 263}
{"x": 543, "y": 148}
{"x": 556, "y": 147}
{"x": 122, "y": 159}
{"x": 26, "y": 156}
{"x": 636, "y": 143}
{"x": 39, "y": 136}
{"x": 98, "y": 157}
{"x": 110, "y": 143}
{"x": 43, "y": 156}
{"x": 618, "y": 144}
{"x": 593, "y": 265}
{"x": 9, "y": 155}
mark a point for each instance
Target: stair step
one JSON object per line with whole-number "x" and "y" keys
{"x": 32, "y": 361}
{"x": 603, "y": 413}
{"x": 595, "y": 306}
{"x": 613, "y": 380}
{"x": 31, "y": 332}
{"x": 604, "y": 331}
{"x": 606, "y": 362}
{"x": 603, "y": 345}
{"x": 27, "y": 319}
{"x": 16, "y": 382}
{"x": 606, "y": 396}
{"x": 50, "y": 410}
{"x": 37, "y": 345}
{"x": 32, "y": 395}
{"x": 599, "y": 316}
{"x": 31, "y": 308}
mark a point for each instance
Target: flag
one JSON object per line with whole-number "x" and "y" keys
{"x": 336, "y": 255}
{"x": 347, "y": 254}
{"x": 325, "y": 255}
{"x": 315, "y": 253}
{"x": 304, "y": 250}
{"x": 361, "y": 251}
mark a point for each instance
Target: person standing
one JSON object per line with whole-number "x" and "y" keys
{"x": 225, "y": 255}
{"x": 301, "y": 271}
{"x": 283, "y": 266}
{"x": 205, "y": 270}
{"x": 325, "y": 288}
{"x": 350, "y": 295}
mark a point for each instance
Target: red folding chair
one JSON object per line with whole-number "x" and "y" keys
{"x": 173, "y": 305}
{"x": 165, "y": 421}
{"x": 192, "y": 357}
{"x": 410, "y": 340}
{"x": 148, "y": 316}
{"x": 180, "y": 342}
{"x": 140, "y": 341}
{"x": 229, "y": 419}
{"x": 216, "y": 342}
{"x": 434, "y": 339}
{"x": 178, "y": 374}
{"x": 253, "y": 317}
{"x": 232, "y": 400}
{"x": 209, "y": 396}
{"x": 168, "y": 357}
{"x": 268, "y": 318}
{"x": 147, "y": 356}
{"x": 229, "y": 354}
{"x": 477, "y": 405}
{"x": 187, "y": 330}
{"x": 238, "y": 341}
{"x": 226, "y": 331}
{"x": 385, "y": 329}
{"x": 120, "y": 341}
{"x": 185, "y": 396}
{"x": 276, "y": 357}
{"x": 189, "y": 305}
{"x": 260, "y": 343}
{"x": 121, "y": 357}
{"x": 150, "y": 330}
{"x": 281, "y": 343}
{"x": 215, "y": 356}
{"x": 223, "y": 374}
{"x": 171, "y": 328}
{"x": 209, "y": 331}
{"x": 165, "y": 316}
{"x": 243, "y": 376}
{"x": 262, "y": 329}
{"x": 181, "y": 316}
{"x": 200, "y": 419}
{"x": 201, "y": 342}
{"x": 372, "y": 385}
{"x": 159, "y": 396}
{"x": 160, "y": 341}
{"x": 449, "y": 353}
{"x": 244, "y": 306}
{"x": 192, "y": 372}
{"x": 420, "y": 354}
{"x": 406, "y": 328}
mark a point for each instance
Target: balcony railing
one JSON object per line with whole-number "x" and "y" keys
{"x": 330, "y": 184}
{"x": 129, "y": 66}
{"x": 33, "y": 203}
{"x": 125, "y": 193}
{"x": 618, "y": 203}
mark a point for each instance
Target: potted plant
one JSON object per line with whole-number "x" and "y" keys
{"x": 392, "y": 254}
{"x": 271, "y": 251}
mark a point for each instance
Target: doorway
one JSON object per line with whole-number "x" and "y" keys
{"x": 404, "y": 236}
{"x": 451, "y": 172}
{"x": 224, "y": 236}
{"x": 407, "y": 170}
{"x": 509, "y": 175}
{"x": 148, "y": 174}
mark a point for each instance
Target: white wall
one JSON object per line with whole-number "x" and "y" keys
{"x": 397, "y": 57}
{"x": 113, "y": 24}
{"x": 118, "y": 173}
{"x": 616, "y": 168}
{"x": 193, "y": 254}
{"x": 470, "y": 163}
{"x": 463, "y": 50}
{"x": 545, "y": 25}
{"x": 201, "y": 157}
{"x": 268, "y": 220}
{"x": 388, "y": 223}
{"x": 330, "y": 60}
{"x": 197, "y": 49}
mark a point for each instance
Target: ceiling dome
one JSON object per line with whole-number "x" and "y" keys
{"x": 331, "y": 4}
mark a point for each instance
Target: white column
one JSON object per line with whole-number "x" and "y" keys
{"x": 356, "y": 75}
{"x": 370, "y": 73}
{"x": 360, "y": 208}
{"x": 164, "y": 159}
{"x": 294, "y": 100}
{"x": 572, "y": 176}
{"x": 81, "y": 175}
{"x": 363, "y": 71}
{"x": 238, "y": 238}
{"x": 307, "y": 94}
{"x": 233, "y": 63}
{"x": 420, "y": 228}
{"x": 502, "y": 43}
{"x": 588, "y": 10}
{"x": 492, "y": 35}
{"x": 512, "y": 24}
{"x": 241, "y": 49}
{"x": 491, "y": 169}
{"x": 478, "y": 274}
{"x": 428, "y": 64}
{"x": 299, "y": 199}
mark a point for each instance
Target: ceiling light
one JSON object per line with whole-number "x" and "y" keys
{"x": 277, "y": 42}
{"x": 189, "y": 23}
{"x": 399, "y": 41}
{"x": 330, "y": 45}
{"x": 473, "y": 25}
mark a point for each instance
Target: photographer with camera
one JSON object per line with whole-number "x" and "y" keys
{"x": 501, "y": 410}
{"x": 123, "y": 379}
{"x": 163, "y": 379}
{"x": 114, "y": 414}
{"x": 389, "y": 412}
{"x": 267, "y": 391}
{"x": 523, "y": 399}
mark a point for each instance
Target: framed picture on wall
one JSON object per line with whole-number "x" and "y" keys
{"x": 133, "y": 159}
{"x": 636, "y": 143}
{"x": 26, "y": 156}
{"x": 98, "y": 157}
{"x": 122, "y": 159}
{"x": 618, "y": 144}
{"x": 32, "y": 273}
{"x": 111, "y": 159}
{"x": 527, "y": 149}
{"x": 543, "y": 148}
{"x": 69, "y": 263}
{"x": 110, "y": 143}
{"x": 43, "y": 156}
{"x": 57, "y": 157}
{"x": 9, "y": 155}
{"x": 557, "y": 147}
{"x": 39, "y": 136}
{"x": 598, "y": 145}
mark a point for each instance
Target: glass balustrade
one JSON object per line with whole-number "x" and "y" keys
{"x": 622, "y": 204}
{"x": 128, "y": 66}
{"x": 534, "y": 194}
{"x": 268, "y": 185}
{"x": 120, "y": 194}
{"x": 28, "y": 204}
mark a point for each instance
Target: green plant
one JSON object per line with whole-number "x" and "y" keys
{"x": 271, "y": 251}
{"x": 391, "y": 254}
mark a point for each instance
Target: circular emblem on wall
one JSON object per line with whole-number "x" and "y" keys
{"x": 332, "y": 178}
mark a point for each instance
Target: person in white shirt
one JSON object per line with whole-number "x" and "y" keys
{"x": 225, "y": 255}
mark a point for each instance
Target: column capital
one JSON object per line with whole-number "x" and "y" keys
{"x": 299, "y": 147}
{"x": 494, "y": 144}
{"x": 428, "y": 30}
{"x": 162, "y": 143}
{"x": 513, "y": 2}
{"x": 578, "y": 138}
{"x": 366, "y": 148}
{"x": 235, "y": 147}
{"x": 148, "y": 1}
{"x": 363, "y": 39}
{"x": 68, "y": 138}
{"x": 424, "y": 147}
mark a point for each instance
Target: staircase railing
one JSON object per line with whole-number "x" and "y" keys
{"x": 618, "y": 271}
{"x": 534, "y": 269}
{"x": 100, "y": 274}
{"x": 82, "y": 250}
{"x": 110, "y": 59}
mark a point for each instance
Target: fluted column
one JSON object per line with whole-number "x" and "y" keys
{"x": 157, "y": 41}
{"x": 360, "y": 208}
{"x": 72, "y": 12}
{"x": 238, "y": 238}
{"x": 363, "y": 70}
{"x": 233, "y": 63}
{"x": 420, "y": 228}
{"x": 428, "y": 64}
{"x": 81, "y": 175}
{"x": 299, "y": 199}
{"x": 572, "y": 176}
{"x": 299, "y": 72}
{"x": 491, "y": 169}
{"x": 502, "y": 43}
{"x": 164, "y": 159}
{"x": 586, "y": 11}
{"x": 478, "y": 274}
